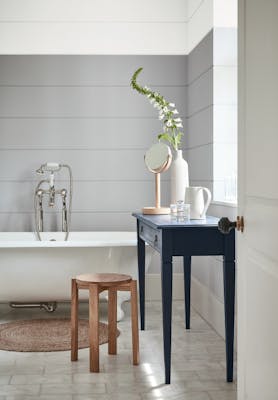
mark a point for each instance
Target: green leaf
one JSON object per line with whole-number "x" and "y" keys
{"x": 166, "y": 137}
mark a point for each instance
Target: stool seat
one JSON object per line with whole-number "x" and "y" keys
{"x": 107, "y": 279}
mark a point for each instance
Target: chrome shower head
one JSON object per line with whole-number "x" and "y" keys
{"x": 48, "y": 167}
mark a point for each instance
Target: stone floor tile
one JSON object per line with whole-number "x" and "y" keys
{"x": 39, "y": 379}
{"x": 76, "y": 388}
{"x": 19, "y": 390}
{"x": 40, "y": 397}
{"x": 116, "y": 396}
{"x": 223, "y": 395}
{"x": 182, "y": 396}
{"x": 4, "y": 379}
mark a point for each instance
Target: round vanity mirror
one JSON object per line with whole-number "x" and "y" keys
{"x": 158, "y": 159}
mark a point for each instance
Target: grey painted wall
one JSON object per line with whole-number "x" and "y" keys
{"x": 201, "y": 139}
{"x": 81, "y": 110}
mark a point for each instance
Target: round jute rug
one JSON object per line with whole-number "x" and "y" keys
{"x": 46, "y": 335}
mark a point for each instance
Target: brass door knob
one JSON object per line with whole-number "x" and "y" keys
{"x": 225, "y": 225}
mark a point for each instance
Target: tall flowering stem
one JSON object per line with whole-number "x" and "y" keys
{"x": 168, "y": 113}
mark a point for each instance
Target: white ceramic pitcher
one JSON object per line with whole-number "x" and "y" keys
{"x": 194, "y": 195}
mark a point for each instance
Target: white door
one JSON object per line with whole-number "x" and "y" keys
{"x": 258, "y": 201}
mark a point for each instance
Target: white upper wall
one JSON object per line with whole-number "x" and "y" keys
{"x": 93, "y": 27}
{"x": 109, "y": 26}
{"x": 199, "y": 21}
{"x": 203, "y": 15}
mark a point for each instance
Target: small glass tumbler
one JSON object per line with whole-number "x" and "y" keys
{"x": 173, "y": 212}
{"x": 180, "y": 208}
{"x": 183, "y": 211}
{"x": 180, "y": 211}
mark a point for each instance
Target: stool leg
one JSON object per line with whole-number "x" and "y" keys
{"x": 74, "y": 320}
{"x": 134, "y": 322}
{"x": 112, "y": 321}
{"x": 94, "y": 327}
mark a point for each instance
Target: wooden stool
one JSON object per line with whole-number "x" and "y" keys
{"x": 96, "y": 283}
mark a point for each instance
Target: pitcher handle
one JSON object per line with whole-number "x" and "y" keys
{"x": 206, "y": 206}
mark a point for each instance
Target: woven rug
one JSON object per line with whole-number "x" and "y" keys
{"x": 46, "y": 335}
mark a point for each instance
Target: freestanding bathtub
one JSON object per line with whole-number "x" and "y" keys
{"x": 41, "y": 271}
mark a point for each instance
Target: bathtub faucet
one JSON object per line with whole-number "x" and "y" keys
{"x": 46, "y": 187}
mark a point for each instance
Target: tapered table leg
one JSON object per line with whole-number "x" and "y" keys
{"x": 229, "y": 306}
{"x": 166, "y": 285}
{"x": 141, "y": 276}
{"x": 187, "y": 288}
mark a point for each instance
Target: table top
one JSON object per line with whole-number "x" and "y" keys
{"x": 165, "y": 221}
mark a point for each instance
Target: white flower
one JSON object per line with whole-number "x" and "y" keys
{"x": 161, "y": 117}
{"x": 152, "y": 101}
{"x": 165, "y": 109}
{"x": 179, "y": 125}
{"x": 175, "y": 111}
{"x": 172, "y": 104}
{"x": 169, "y": 123}
{"x": 149, "y": 95}
{"x": 178, "y": 120}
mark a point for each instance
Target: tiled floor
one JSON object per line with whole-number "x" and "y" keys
{"x": 198, "y": 364}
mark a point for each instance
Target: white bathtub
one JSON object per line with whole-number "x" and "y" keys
{"x": 41, "y": 271}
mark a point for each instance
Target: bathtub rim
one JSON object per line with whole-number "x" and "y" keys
{"x": 125, "y": 239}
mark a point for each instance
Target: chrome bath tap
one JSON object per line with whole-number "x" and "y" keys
{"x": 52, "y": 193}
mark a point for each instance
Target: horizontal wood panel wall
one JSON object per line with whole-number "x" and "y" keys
{"x": 81, "y": 110}
{"x": 93, "y": 27}
{"x": 199, "y": 143}
{"x": 104, "y": 26}
{"x": 202, "y": 127}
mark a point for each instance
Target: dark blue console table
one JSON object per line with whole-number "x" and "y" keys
{"x": 192, "y": 238}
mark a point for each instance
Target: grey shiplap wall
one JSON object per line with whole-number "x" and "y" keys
{"x": 203, "y": 134}
{"x": 199, "y": 140}
{"x": 81, "y": 110}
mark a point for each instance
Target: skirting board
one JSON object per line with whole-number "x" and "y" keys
{"x": 202, "y": 300}
{"x": 153, "y": 287}
{"x": 208, "y": 306}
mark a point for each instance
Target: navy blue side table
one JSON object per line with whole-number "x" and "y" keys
{"x": 192, "y": 238}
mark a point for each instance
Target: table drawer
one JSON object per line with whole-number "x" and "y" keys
{"x": 150, "y": 235}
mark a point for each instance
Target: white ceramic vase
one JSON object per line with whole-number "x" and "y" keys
{"x": 179, "y": 178}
